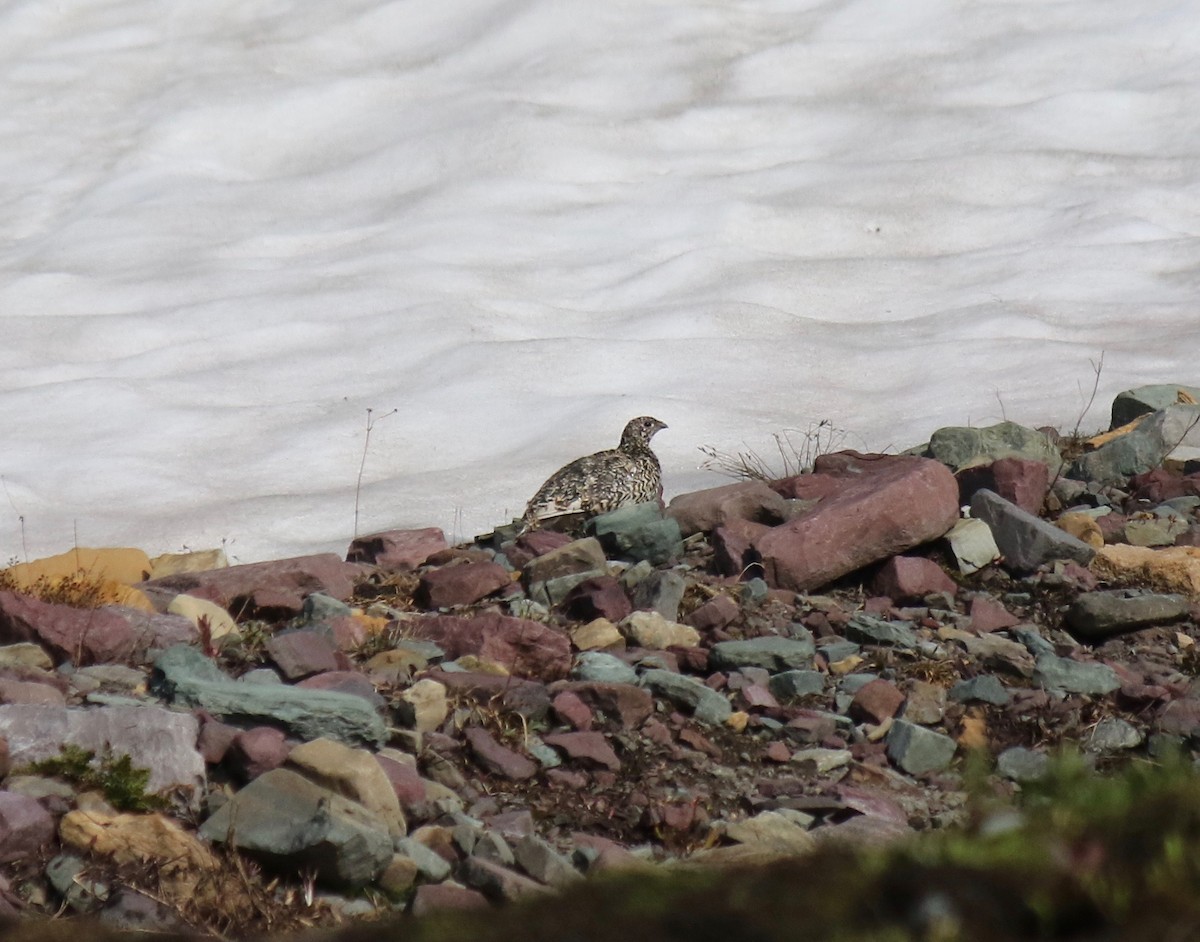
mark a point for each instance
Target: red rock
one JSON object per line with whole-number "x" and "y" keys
{"x": 885, "y": 505}
{"x": 514, "y": 694}
{"x": 1112, "y": 527}
{"x": 570, "y": 708}
{"x": 534, "y": 543}
{"x": 876, "y": 701}
{"x": 301, "y": 653}
{"x": 673, "y": 815}
{"x": 1023, "y": 481}
{"x": 777, "y": 752}
{"x": 496, "y": 758}
{"x": 393, "y": 550}
{"x": 598, "y": 597}
{"x": 733, "y": 546}
{"x": 702, "y": 511}
{"x": 907, "y": 578}
{"x": 1180, "y": 718}
{"x": 215, "y": 738}
{"x": 527, "y": 648}
{"x": 270, "y": 589}
{"x": 26, "y": 691}
{"x": 631, "y": 705}
{"x": 349, "y": 633}
{"x": 351, "y": 682}
{"x": 460, "y": 584}
{"x": 258, "y": 750}
{"x": 718, "y": 612}
{"x": 757, "y": 696}
{"x": 26, "y": 828}
{"x": 697, "y": 740}
{"x": 565, "y": 778}
{"x": 987, "y": 614}
{"x": 592, "y": 747}
{"x": 1160, "y": 484}
{"x": 808, "y": 486}
{"x": 406, "y": 782}
{"x": 435, "y": 897}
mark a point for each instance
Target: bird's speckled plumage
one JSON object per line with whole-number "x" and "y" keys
{"x": 596, "y": 484}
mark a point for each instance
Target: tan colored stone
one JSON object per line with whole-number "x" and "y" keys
{"x": 171, "y": 564}
{"x": 651, "y": 630}
{"x": 25, "y": 654}
{"x": 399, "y": 876}
{"x": 1171, "y": 569}
{"x": 738, "y": 721}
{"x": 1083, "y": 527}
{"x": 428, "y": 700}
{"x": 137, "y": 838}
{"x": 596, "y": 635}
{"x": 353, "y": 773}
{"x": 125, "y": 565}
{"x": 220, "y": 622}
{"x": 481, "y": 665}
{"x": 773, "y": 831}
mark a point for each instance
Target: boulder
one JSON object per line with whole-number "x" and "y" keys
{"x": 393, "y": 550}
{"x": 1023, "y": 481}
{"x": 964, "y": 447}
{"x": 461, "y": 583}
{"x": 1095, "y": 616}
{"x": 1025, "y": 540}
{"x": 703, "y": 511}
{"x": 1144, "y": 448}
{"x": 909, "y": 578}
{"x": 638, "y": 531}
{"x": 1132, "y": 403}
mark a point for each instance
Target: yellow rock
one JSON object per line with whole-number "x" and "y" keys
{"x": 1082, "y": 527}
{"x": 220, "y": 622}
{"x": 481, "y": 665}
{"x": 651, "y": 630}
{"x": 1171, "y": 569}
{"x": 113, "y": 564}
{"x": 170, "y": 564}
{"x": 737, "y": 721}
{"x": 131, "y": 838}
{"x": 595, "y": 635}
{"x": 846, "y": 665}
{"x": 974, "y": 733}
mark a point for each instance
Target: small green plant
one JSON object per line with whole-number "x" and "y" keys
{"x": 122, "y": 783}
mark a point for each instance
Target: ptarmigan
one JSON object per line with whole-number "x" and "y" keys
{"x": 596, "y": 484}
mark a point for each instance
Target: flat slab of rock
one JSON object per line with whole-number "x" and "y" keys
{"x": 460, "y": 584}
{"x": 961, "y": 447}
{"x": 498, "y": 759}
{"x": 1025, "y": 540}
{"x": 882, "y": 505}
{"x": 1172, "y": 569}
{"x": 1094, "y": 616}
{"x": 526, "y": 648}
{"x": 773, "y": 654}
{"x": 706, "y": 705}
{"x": 702, "y": 511}
{"x": 397, "y": 549}
{"x": 1144, "y": 448}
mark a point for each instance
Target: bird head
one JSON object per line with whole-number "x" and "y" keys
{"x": 639, "y": 431}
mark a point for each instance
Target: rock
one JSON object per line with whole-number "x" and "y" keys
{"x": 1131, "y": 403}
{"x": 775, "y": 831}
{"x": 918, "y": 750}
{"x": 497, "y": 882}
{"x": 30, "y": 692}
{"x": 154, "y": 738}
{"x": 578, "y": 556}
{"x": 393, "y": 550}
{"x": 1022, "y": 765}
{"x": 1021, "y": 481}
{"x": 985, "y": 688}
{"x": 973, "y": 545}
{"x": 598, "y": 666}
{"x": 707, "y": 705}
{"x": 884, "y": 505}
{"x": 629, "y": 705}
{"x": 993, "y": 651}
{"x": 184, "y": 675}
{"x": 718, "y": 612}
{"x": 460, "y": 584}
{"x": 733, "y": 547}
{"x": 89, "y": 636}
{"x": 399, "y": 876}
{"x": 925, "y": 704}
{"x": 1083, "y": 527}
{"x": 297, "y": 825}
{"x": 68, "y": 874}
{"x": 867, "y": 629}
{"x": 353, "y": 773}
{"x": 964, "y": 447}
{"x": 256, "y": 751}
{"x": 25, "y": 654}
{"x": 1025, "y": 540}
{"x": 1145, "y": 447}
{"x": 1155, "y": 530}
{"x": 429, "y": 863}
{"x": 1162, "y": 484}
{"x": 121, "y": 565}
{"x": 570, "y": 709}
{"x": 171, "y": 564}
{"x": 592, "y": 747}
{"x": 1113, "y": 734}
{"x": 526, "y": 648}
{"x": 876, "y": 701}
{"x": 597, "y": 597}
{"x": 794, "y": 684}
{"x": 703, "y": 511}
{"x": 350, "y": 682}
{"x": 770, "y": 653}
{"x": 427, "y": 698}
{"x": 26, "y": 828}
{"x": 638, "y": 531}
{"x": 1063, "y": 675}
{"x": 906, "y": 578}
{"x": 1094, "y": 616}
{"x": 301, "y": 653}
{"x": 496, "y": 758}
{"x": 661, "y": 592}
{"x": 651, "y": 630}
{"x": 268, "y": 589}
{"x": 218, "y": 622}
{"x": 540, "y": 860}
{"x": 1173, "y": 569}
{"x": 822, "y": 761}
{"x": 598, "y": 633}
{"x": 988, "y": 615}
{"x": 438, "y": 897}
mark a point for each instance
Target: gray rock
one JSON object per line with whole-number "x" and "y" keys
{"x": 431, "y": 865}
{"x": 598, "y": 666}
{"x": 1019, "y": 764}
{"x": 838, "y": 649}
{"x": 1157, "y": 530}
{"x": 286, "y": 820}
{"x": 973, "y": 545}
{"x": 184, "y": 675}
{"x": 545, "y": 864}
{"x": 491, "y": 846}
{"x": 1094, "y": 616}
{"x": 84, "y": 894}
{"x": 770, "y": 653}
{"x": 1063, "y": 675}
{"x": 661, "y": 592}
{"x": 792, "y": 684}
{"x": 1113, "y": 734}
{"x": 962, "y": 447}
{"x": 1032, "y": 640}
{"x": 1025, "y": 540}
{"x": 1131, "y": 403}
{"x": 579, "y": 556}
{"x": 1143, "y": 449}
{"x": 706, "y": 705}
{"x": 638, "y": 532}
{"x": 754, "y": 590}
{"x": 985, "y": 688}
{"x": 868, "y": 629}
{"x": 918, "y": 750}
{"x": 552, "y": 591}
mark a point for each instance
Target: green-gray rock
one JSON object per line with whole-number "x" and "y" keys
{"x": 1025, "y": 540}
{"x": 1063, "y": 675}
{"x": 867, "y": 629}
{"x": 706, "y": 705}
{"x": 637, "y": 532}
{"x": 770, "y": 653}
{"x": 185, "y": 676}
{"x": 918, "y": 750}
{"x": 963, "y": 447}
{"x": 1131, "y": 403}
{"x": 1094, "y": 616}
{"x": 1019, "y": 764}
{"x": 1113, "y": 734}
{"x": 602, "y": 667}
{"x": 793, "y": 684}
{"x": 985, "y": 688}
{"x": 1143, "y": 449}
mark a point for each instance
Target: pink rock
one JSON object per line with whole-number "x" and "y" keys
{"x": 733, "y": 546}
{"x": 26, "y": 828}
{"x": 349, "y": 633}
{"x": 756, "y": 696}
{"x": 215, "y": 739}
{"x": 1021, "y": 480}
{"x": 1112, "y": 527}
{"x": 351, "y": 682}
{"x": 301, "y": 653}
{"x": 702, "y": 511}
{"x": 717, "y": 612}
{"x": 527, "y": 648}
{"x": 274, "y": 588}
{"x": 777, "y": 752}
{"x": 434, "y": 897}
{"x": 26, "y": 691}
{"x": 1160, "y": 484}
{"x": 460, "y": 584}
{"x": 987, "y": 614}
{"x": 905, "y": 578}
{"x": 534, "y": 543}
{"x": 592, "y": 747}
{"x": 496, "y": 758}
{"x": 397, "y": 549}
{"x": 514, "y": 694}
{"x": 631, "y": 705}
{"x": 258, "y": 750}
{"x": 876, "y": 701}
{"x": 570, "y": 708}
{"x": 406, "y": 782}
{"x": 598, "y": 597}
{"x": 885, "y": 505}
{"x": 499, "y": 882}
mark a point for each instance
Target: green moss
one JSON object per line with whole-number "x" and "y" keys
{"x": 122, "y": 784}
